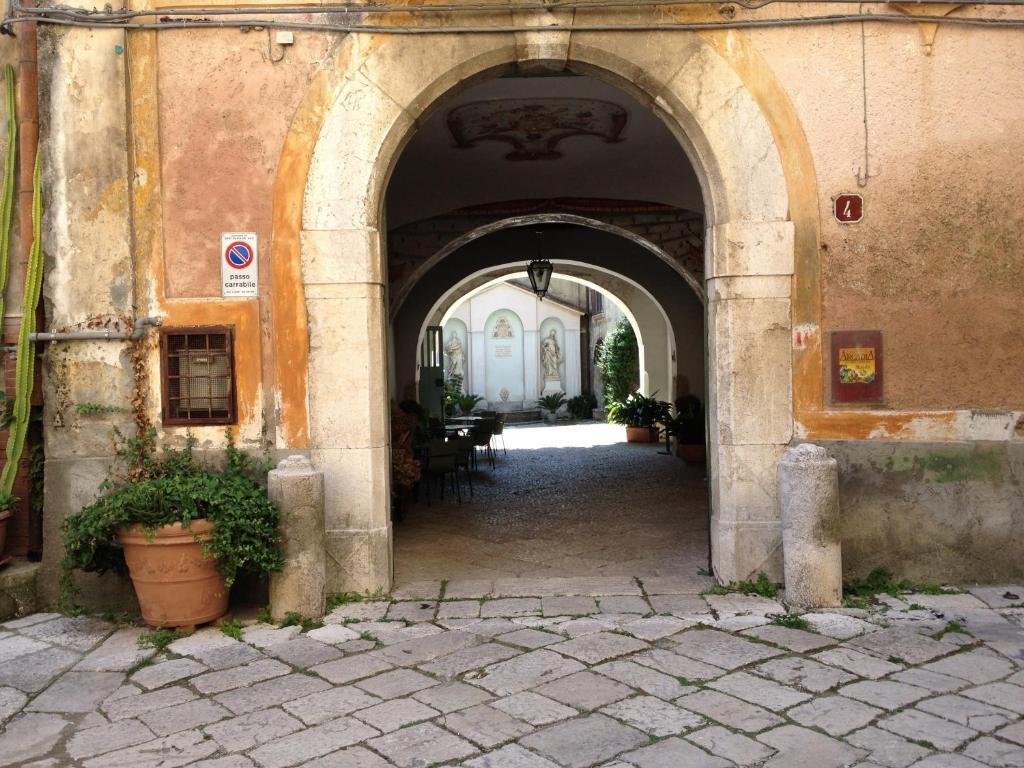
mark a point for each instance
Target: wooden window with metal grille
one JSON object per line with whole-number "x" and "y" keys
{"x": 197, "y": 366}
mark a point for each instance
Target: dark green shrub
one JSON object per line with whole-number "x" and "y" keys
{"x": 618, "y": 361}
{"x": 582, "y": 406}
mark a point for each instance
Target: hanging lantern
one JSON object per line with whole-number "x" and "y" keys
{"x": 539, "y": 271}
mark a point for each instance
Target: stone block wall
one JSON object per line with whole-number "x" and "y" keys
{"x": 932, "y": 511}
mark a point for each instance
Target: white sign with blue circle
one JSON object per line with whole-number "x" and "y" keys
{"x": 239, "y": 265}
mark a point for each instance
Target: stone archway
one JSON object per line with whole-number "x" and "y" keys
{"x": 653, "y": 328}
{"x": 333, "y": 398}
{"x": 660, "y": 294}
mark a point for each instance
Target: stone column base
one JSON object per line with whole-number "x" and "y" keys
{"x": 359, "y": 560}
{"x": 742, "y": 549}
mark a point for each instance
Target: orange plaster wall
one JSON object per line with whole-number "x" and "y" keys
{"x": 938, "y": 262}
{"x": 224, "y": 112}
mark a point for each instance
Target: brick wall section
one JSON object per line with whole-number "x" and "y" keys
{"x": 678, "y": 232}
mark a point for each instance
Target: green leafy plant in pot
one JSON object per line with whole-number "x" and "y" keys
{"x": 550, "y": 405}
{"x": 467, "y": 403}
{"x": 452, "y": 393}
{"x": 687, "y": 428}
{"x": 182, "y": 531}
{"x": 640, "y": 414}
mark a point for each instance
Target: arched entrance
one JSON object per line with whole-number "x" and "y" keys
{"x": 652, "y": 284}
{"x": 328, "y": 239}
{"x": 648, "y": 318}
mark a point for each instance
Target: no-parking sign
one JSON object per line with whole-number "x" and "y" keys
{"x": 238, "y": 265}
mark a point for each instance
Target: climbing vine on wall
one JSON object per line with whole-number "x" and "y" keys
{"x": 140, "y": 387}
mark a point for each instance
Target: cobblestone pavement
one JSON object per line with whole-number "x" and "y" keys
{"x": 543, "y": 672}
{"x": 567, "y": 500}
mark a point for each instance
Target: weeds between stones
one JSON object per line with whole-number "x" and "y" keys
{"x": 160, "y": 638}
{"x": 763, "y": 587}
{"x": 790, "y": 621}
{"x": 859, "y": 592}
{"x": 232, "y": 628}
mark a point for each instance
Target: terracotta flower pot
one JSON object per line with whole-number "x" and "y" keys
{"x": 176, "y": 584}
{"x": 691, "y": 453}
{"x": 638, "y": 435}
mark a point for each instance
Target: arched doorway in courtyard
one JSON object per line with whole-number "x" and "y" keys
{"x": 346, "y": 259}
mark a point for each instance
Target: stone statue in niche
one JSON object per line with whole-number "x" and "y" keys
{"x": 456, "y": 356}
{"x": 551, "y": 356}
{"x": 502, "y": 329}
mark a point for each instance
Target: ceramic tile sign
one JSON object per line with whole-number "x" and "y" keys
{"x": 856, "y": 366}
{"x": 848, "y": 208}
{"x": 238, "y": 265}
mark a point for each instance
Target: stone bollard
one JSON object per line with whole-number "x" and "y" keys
{"x": 811, "y": 548}
{"x": 297, "y": 489}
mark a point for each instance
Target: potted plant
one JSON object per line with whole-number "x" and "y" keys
{"x": 467, "y": 403}
{"x": 640, "y": 414}
{"x": 181, "y": 531}
{"x": 452, "y": 393}
{"x": 550, "y": 405}
{"x": 687, "y": 428}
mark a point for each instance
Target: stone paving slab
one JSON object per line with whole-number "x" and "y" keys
{"x": 729, "y": 711}
{"x": 247, "y": 731}
{"x": 486, "y": 726}
{"x": 756, "y": 690}
{"x": 792, "y": 639}
{"x": 585, "y": 690}
{"x": 107, "y": 738}
{"x": 671, "y": 753}
{"x": 32, "y": 672}
{"x": 421, "y": 745}
{"x": 800, "y": 747}
{"x": 117, "y": 653}
{"x": 614, "y": 688}
{"x": 720, "y": 648}
{"x": 585, "y": 741}
{"x": 729, "y": 745}
{"x": 77, "y": 692}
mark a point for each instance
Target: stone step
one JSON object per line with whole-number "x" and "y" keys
{"x": 18, "y": 589}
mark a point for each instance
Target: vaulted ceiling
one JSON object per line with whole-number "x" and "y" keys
{"x": 514, "y": 138}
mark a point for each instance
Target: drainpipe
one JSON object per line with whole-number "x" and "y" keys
{"x": 137, "y": 332}
{"x": 28, "y": 138}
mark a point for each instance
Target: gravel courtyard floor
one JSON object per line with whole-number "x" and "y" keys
{"x": 532, "y": 673}
{"x": 567, "y": 500}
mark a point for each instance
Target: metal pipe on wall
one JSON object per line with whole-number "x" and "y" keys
{"x": 137, "y": 332}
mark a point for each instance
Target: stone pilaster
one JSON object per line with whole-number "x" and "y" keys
{"x": 750, "y": 398}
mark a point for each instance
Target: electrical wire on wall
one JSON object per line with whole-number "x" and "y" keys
{"x": 357, "y": 17}
{"x": 864, "y": 173}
